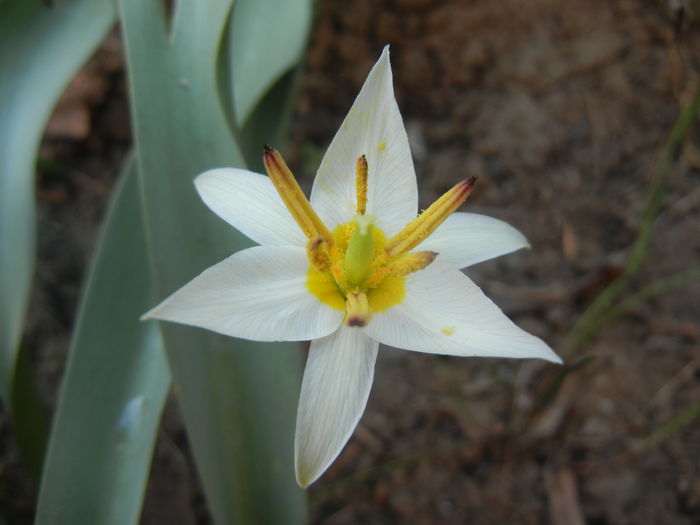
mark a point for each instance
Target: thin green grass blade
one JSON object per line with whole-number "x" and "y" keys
{"x": 238, "y": 398}
{"x": 115, "y": 385}
{"x": 267, "y": 39}
{"x": 41, "y": 47}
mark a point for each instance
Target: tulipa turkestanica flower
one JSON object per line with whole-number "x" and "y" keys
{"x": 349, "y": 268}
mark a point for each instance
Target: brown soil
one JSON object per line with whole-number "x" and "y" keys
{"x": 561, "y": 109}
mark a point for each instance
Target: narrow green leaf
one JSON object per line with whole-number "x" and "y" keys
{"x": 266, "y": 38}
{"x": 41, "y": 47}
{"x": 238, "y": 398}
{"x": 115, "y": 385}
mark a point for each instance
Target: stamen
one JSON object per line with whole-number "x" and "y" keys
{"x": 427, "y": 222}
{"x": 361, "y": 184}
{"x": 317, "y": 253}
{"x": 293, "y": 197}
{"x": 357, "y": 309}
{"x": 411, "y": 262}
{"x": 375, "y": 278}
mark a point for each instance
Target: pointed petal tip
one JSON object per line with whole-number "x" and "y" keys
{"x": 546, "y": 353}
{"x": 153, "y": 314}
{"x": 539, "y": 349}
{"x": 304, "y": 479}
{"x": 554, "y": 358}
{"x": 384, "y": 59}
{"x": 307, "y": 470}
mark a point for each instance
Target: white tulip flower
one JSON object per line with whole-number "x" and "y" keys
{"x": 350, "y": 268}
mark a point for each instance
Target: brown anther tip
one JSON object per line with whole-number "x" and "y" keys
{"x": 432, "y": 255}
{"x": 271, "y": 157}
{"x": 465, "y": 187}
{"x": 356, "y": 321}
{"x": 318, "y": 241}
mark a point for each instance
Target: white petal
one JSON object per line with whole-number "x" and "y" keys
{"x": 373, "y": 127}
{"x": 469, "y": 238}
{"x": 334, "y": 392}
{"x": 250, "y": 203}
{"x": 258, "y": 294}
{"x": 444, "y": 312}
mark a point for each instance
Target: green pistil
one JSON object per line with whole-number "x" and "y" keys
{"x": 360, "y": 253}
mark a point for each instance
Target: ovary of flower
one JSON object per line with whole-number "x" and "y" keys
{"x": 349, "y": 268}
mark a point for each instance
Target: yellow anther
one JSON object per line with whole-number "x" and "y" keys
{"x": 411, "y": 262}
{"x": 293, "y": 198}
{"x": 427, "y": 222}
{"x": 317, "y": 252}
{"x": 375, "y": 278}
{"x": 361, "y": 183}
{"x": 357, "y": 309}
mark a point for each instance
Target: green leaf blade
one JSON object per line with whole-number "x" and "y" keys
{"x": 238, "y": 398}
{"x": 41, "y": 48}
{"x": 267, "y": 39}
{"x": 114, "y": 388}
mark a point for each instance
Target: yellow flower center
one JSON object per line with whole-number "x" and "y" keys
{"x": 355, "y": 268}
{"x": 352, "y": 274}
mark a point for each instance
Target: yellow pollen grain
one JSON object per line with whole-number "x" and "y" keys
{"x": 448, "y": 330}
{"x": 381, "y": 145}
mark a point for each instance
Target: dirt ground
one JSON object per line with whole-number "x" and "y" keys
{"x": 561, "y": 109}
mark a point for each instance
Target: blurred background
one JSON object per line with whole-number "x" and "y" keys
{"x": 564, "y": 111}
